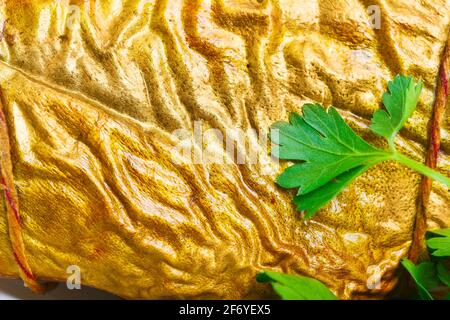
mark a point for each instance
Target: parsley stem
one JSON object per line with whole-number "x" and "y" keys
{"x": 421, "y": 168}
{"x": 392, "y": 145}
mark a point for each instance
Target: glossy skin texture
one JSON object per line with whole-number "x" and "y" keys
{"x": 91, "y": 109}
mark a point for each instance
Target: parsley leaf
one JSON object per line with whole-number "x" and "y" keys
{"x": 324, "y": 142}
{"x": 440, "y": 232}
{"x": 432, "y": 274}
{"x": 425, "y": 276}
{"x": 400, "y": 104}
{"x": 331, "y": 155}
{"x": 290, "y": 287}
{"x": 440, "y": 243}
{"x": 443, "y": 273}
{"x": 313, "y": 201}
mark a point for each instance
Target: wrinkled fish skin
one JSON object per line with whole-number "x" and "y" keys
{"x": 92, "y": 91}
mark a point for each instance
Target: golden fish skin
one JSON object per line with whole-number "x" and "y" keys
{"x": 93, "y": 90}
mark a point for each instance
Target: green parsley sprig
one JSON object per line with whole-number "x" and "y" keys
{"x": 433, "y": 277}
{"x": 331, "y": 155}
{"x": 293, "y": 287}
